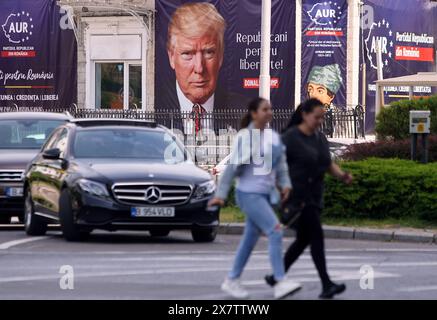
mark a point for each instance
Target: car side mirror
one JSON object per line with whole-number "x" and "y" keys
{"x": 52, "y": 154}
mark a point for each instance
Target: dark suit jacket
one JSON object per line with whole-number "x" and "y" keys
{"x": 167, "y": 108}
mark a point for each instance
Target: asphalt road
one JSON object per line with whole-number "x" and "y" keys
{"x": 132, "y": 265}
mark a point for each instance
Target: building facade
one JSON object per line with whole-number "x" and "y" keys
{"x": 115, "y": 41}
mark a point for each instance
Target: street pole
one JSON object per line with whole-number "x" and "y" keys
{"x": 266, "y": 21}
{"x": 380, "y": 76}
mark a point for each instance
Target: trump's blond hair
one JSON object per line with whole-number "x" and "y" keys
{"x": 194, "y": 20}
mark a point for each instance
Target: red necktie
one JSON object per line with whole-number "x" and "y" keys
{"x": 197, "y": 111}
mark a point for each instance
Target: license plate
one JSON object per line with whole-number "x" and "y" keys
{"x": 153, "y": 212}
{"x": 14, "y": 192}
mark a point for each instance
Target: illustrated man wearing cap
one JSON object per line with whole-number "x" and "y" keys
{"x": 195, "y": 48}
{"x": 324, "y": 82}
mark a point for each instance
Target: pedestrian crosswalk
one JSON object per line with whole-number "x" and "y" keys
{"x": 184, "y": 270}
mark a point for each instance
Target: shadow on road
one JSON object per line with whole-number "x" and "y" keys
{"x": 123, "y": 237}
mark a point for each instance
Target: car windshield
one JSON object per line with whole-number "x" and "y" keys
{"x": 127, "y": 143}
{"x": 26, "y": 134}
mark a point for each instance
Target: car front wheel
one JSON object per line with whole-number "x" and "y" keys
{"x": 70, "y": 230}
{"x": 33, "y": 225}
{"x": 204, "y": 234}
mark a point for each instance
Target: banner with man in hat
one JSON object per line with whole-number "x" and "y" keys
{"x": 324, "y": 49}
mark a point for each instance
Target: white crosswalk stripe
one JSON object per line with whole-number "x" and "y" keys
{"x": 13, "y": 243}
{"x": 418, "y": 288}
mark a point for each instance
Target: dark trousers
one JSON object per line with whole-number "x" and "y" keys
{"x": 309, "y": 232}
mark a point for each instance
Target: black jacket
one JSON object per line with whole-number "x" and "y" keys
{"x": 308, "y": 159}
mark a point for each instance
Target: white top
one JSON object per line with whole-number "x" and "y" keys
{"x": 264, "y": 181}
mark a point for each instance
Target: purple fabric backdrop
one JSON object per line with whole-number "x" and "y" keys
{"x": 37, "y": 57}
{"x": 324, "y": 41}
{"x": 406, "y": 30}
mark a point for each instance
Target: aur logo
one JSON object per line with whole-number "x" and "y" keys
{"x": 326, "y": 13}
{"x": 18, "y": 27}
{"x": 380, "y": 36}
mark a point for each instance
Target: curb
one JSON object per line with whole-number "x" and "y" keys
{"x": 333, "y": 232}
{"x": 330, "y": 232}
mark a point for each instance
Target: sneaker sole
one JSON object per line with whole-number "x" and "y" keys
{"x": 233, "y": 296}
{"x": 289, "y": 293}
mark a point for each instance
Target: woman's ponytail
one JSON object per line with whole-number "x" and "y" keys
{"x": 252, "y": 107}
{"x": 245, "y": 121}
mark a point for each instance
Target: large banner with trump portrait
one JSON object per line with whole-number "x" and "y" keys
{"x": 208, "y": 54}
{"x": 324, "y": 50}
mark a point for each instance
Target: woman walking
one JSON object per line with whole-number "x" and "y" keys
{"x": 308, "y": 159}
{"x": 255, "y": 189}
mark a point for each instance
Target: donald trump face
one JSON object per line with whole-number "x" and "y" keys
{"x": 195, "y": 49}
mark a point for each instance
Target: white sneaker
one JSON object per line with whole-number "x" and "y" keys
{"x": 285, "y": 287}
{"x": 234, "y": 289}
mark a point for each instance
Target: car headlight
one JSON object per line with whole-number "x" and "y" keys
{"x": 94, "y": 188}
{"x": 204, "y": 190}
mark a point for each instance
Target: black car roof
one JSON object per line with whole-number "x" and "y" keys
{"x": 100, "y": 122}
{"x": 34, "y": 116}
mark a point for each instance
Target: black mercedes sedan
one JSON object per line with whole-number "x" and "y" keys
{"x": 117, "y": 175}
{"x": 21, "y": 136}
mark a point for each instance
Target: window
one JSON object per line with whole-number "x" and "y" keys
{"x": 61, "y": 142}
{"x": 109, "y": 85}
{"x": 58, "y": 141}
{"x": 125, "y": 144}
{"x": 135, "y": 87}
{"x": 26, "y": 134}
{"x": 51, "y": 141}
{"x": 111, "y": 82}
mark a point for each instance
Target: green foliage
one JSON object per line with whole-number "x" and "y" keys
{"x": 384, "y": 188}
{"x": 393, "y": 121}
{"x": 230, "y": 201}
{"x": 400, "y": 149}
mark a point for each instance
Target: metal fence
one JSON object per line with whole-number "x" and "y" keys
{"x": 337, "y": 124}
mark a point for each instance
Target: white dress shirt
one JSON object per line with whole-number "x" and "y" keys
{"x": 187, "y": 107}
{"x": 202, "y": 152}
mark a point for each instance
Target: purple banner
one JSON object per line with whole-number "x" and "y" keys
{"x": 405, "y": 32}
{"x": 324, "y": 49}
{"x": 37, "y": 56}
{"x": 194, "y": 66}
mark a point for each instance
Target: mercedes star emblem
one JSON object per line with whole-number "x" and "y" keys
{"x": 153, "y": 194}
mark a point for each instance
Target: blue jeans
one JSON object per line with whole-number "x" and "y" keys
{"x": 260, "y": 218}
